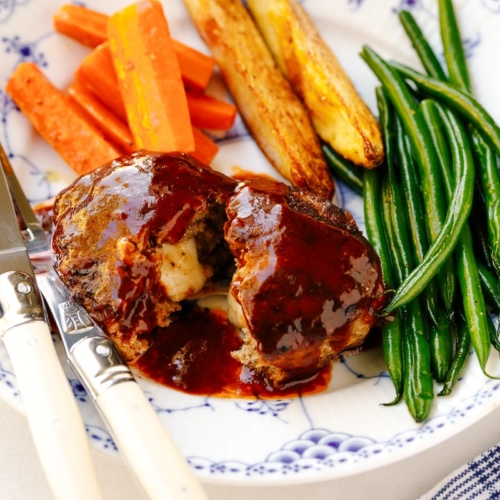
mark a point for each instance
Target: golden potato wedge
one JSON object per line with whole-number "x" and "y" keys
{"x": 273, "y": 113}
{"x": 338, "y": 113}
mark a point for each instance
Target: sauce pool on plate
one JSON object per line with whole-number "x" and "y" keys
{"x": 193, "y": 355}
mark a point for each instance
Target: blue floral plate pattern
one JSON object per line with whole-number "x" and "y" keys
{"x": 346, "y": 429}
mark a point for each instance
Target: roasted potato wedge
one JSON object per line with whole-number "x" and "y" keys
{"x": 273, "y": 113}
{"x": 339, "y": 115}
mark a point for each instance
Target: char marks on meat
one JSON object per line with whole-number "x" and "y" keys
{"x": 308, "y": 284}
{"x": 115, "y": 227}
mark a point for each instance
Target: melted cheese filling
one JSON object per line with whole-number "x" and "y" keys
{"x": 181, "y": 272}
{"x": 235, "y": 312}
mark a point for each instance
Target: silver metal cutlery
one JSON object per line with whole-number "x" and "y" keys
{"x": 54, "y": 419}
{"x": 140, "y": 436}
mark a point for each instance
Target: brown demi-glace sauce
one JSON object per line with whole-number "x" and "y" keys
{"x": 241, "y": 174}
{"x": 192, "y": 355}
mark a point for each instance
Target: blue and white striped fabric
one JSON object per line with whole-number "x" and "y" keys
{"x": 479, "y": 479}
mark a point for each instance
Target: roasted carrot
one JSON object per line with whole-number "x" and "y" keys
{"x": 113, "y": 129}
{"x": 90, "y": 28}
{"x": 83, "y": 25}
{"x": 205, "y": 148}
{"x": 209, "y": 112}
{"x": 149, "y": 78}
{"x": 196, "y": 68}
{"x": 97, "y": 73}
{"x": 118, "y": 132}
{"x": 47, "y": 108}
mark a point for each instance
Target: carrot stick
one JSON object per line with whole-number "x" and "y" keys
{"x": 83, "y": 25}
{"x": 114, "y": 129}
{"x": 149, "y": 78}
{"x": 205, "y": 148}
{"x": 90, "y": 28}
{"x": 209, "y": 112}
{"x": 47, "y": 108}
{"x": 98, "y": 74}
{"x": 196, "y": 68}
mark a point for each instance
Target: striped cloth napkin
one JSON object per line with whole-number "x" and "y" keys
{"x": 479, "y": 480}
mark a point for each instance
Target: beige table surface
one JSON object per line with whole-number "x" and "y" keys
{"x": 21, "y": 476}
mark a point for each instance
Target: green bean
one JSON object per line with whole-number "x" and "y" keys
{"x": 461, "y": 101}
{"x": 495, "y": 341}
{"x": 452, "y": 46}
{"x": 461, "y": 356}
{"x": 457, "y": 214}
{"x": 393, "y": 209}
{"x": 372, "y": 195}
{"x": 439, "y": 339}
{"x": 441, "y": 346}
{"x": 425, "y": 53}
{"x": 413, "y": 197}
{"x": 394, "y": 214}
{"x": 489, "y": 284}
{"x": 440, "y": 332}
{"x": 490, "y": 183}
{"x": 347, "y": 172}
{"x": 385, "y": 111}
{"x": 444, "y": 162}
{"x": 468, "y": 276}
{"x": 417, "y": 386}
{"x": 406, "y": 108}
{"x": 474, "y": 305}
{"x": 477, "y": 221}
{"x": 459, "y": 76}
{"x": 392, "y": 330}
{"x": 433, "y": 67}
{"x": 488, "y": 168}
{"x": 415, "y": 211}
{"x": 478, "y": 320}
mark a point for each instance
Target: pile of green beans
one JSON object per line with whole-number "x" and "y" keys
{"x": 440, "y": 178}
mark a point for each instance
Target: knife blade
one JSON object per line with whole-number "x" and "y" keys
{"x": 55, "y": 422}
{"x": 12, "y": 250}
{"x": 31, "y": 234}
{"x": 141, "y": 437}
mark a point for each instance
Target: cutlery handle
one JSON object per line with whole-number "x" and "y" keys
{"x": 53, "y": 416}
{"x": 145, "y": 444}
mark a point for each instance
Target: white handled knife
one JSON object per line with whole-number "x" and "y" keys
{"x": 54, "y": 419}
{"x": 140, "y": 436}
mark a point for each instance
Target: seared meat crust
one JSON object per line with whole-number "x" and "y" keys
{"x": 110, "y": 226}
{"x": 308, "y": 284}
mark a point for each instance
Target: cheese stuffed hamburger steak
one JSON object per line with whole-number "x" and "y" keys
{"x": 140, "y": 235}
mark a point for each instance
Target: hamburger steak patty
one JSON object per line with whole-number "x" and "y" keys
{"x": 138, "y": 235}
{"x": 308, "y": 284}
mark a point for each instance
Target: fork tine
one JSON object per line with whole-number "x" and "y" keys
{"x": 34, "y": 238}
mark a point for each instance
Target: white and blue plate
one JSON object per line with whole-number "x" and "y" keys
{"x": 347, "y": 429}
